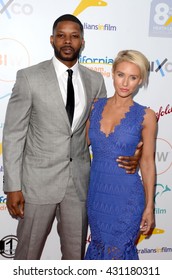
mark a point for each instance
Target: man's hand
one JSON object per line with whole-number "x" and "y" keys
{"x": 15, "y": 204}
{"x": 131, "y": 163}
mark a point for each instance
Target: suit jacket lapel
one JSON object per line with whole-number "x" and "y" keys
{"x": 50, "y": 77}
{"x": 87, "y": 91}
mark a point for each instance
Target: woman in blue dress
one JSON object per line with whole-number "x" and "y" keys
{"x": 120, "y": 205}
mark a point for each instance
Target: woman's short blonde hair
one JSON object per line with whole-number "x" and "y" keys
{"x": 138, "y": 59}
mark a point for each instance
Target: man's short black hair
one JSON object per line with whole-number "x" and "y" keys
{"x": 67, "y": 17}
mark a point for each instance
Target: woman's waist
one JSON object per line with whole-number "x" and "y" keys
{"x": 110, "y": 166}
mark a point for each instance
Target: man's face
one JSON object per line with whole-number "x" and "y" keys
{"x": 67, "y": 42}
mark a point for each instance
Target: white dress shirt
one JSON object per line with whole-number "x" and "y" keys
{"x": 62, "y": 76}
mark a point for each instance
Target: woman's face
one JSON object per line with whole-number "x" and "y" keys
{"x": 126, "y": 78}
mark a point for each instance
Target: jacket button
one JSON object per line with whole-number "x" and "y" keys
{"x": 70, "y": 159}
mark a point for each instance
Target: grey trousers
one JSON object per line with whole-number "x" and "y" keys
{"x": 36, "y": 225}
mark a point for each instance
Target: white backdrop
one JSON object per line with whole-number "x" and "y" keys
{"x": 109, "y": 26}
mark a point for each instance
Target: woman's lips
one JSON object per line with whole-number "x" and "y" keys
{"x": 124, "y": 89}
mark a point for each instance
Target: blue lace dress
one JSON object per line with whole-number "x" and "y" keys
{"x": 115, "y": 199}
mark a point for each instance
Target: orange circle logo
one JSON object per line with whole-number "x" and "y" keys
{"x": 13, "y": 56}
{"x": 163, "y": 156}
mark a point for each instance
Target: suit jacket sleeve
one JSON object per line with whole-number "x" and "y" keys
{"x": 102, "y": 90}
{"x": 14, "y": 133}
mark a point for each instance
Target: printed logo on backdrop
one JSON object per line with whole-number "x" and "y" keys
{"x": 163, "y": 156}
{"x": 162, "y": 190}
{"x": 161, "y": 66}
{"x": 12, "y": 7}
{"x": 3, "y": 200}
{"x": 98, "y": 64}
{"x": 8, "y": 246}
{"x": 156, "y": 250}
{"x": 155, "y": 231}
{"x": 160, "y": 23}
{"x": 13, "y": 56}
{"x": 164, "y": 111}
{"x": 84, "y": 4}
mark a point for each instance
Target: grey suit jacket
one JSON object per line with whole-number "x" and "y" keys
{"x": 39, "y": 149}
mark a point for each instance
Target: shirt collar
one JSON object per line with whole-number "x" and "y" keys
{"x": 61, "y": 68}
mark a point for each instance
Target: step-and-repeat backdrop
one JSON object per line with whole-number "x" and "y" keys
{"x": 109, "y": 26}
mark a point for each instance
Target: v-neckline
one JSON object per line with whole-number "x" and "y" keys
{"x": 116, "y": 126}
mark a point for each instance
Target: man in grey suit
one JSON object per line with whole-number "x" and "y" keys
{"x": 46, "y": 160}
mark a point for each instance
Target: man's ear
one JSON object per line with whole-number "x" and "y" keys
{"x": 82, "y": 45}
{"x": 51, "y": 40}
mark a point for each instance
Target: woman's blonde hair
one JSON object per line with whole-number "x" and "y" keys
{"x": 138, "y": 59}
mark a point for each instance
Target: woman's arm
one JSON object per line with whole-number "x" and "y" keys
{"x": 147, "y": 167}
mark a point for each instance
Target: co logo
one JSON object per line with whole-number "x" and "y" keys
{"x": 25, "y": 9}
{"x": 15, "y": 8}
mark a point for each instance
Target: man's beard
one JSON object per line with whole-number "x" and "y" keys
{"x": 73, "y": 57}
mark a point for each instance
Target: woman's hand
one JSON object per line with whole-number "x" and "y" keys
{"x": 148, "y": 221}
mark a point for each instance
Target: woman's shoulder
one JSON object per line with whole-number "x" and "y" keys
{"x": 150, "y": 113}
{"x": 140, "y": 106}
{"x": 146, "y": 108}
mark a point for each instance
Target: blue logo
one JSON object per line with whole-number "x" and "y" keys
{"x": 5, "y": 7}
{"x": 3, "y": 199}
{"x": 160, "y": 190}
{"x": 161, "y": 66}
